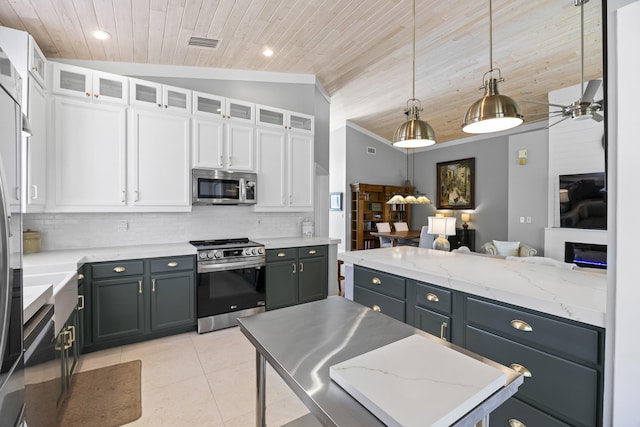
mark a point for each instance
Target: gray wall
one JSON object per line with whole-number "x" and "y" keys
{"x": 528, "y": 188}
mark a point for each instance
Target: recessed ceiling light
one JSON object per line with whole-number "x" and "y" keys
{"x": 267, "y": 52}
{"x": 101, "y": 35}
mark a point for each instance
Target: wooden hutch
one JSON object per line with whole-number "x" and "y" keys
{"x": 369, "y": 206}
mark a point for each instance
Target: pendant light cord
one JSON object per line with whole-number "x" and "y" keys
{"x": 413, "y": 63}
{"x": 490, "y": 37}
{"x": 581, "y": 49}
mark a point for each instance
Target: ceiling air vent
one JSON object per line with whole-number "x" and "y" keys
{"x": 203, "y": 42}
{"x": 371, "y": 150}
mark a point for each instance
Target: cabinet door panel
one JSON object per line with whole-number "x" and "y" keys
{"x": 208, "y": 143}
{"x": 118, "y": 309}
{"x": 566, "y": 388}
{"x": 89, "y": 154}
{"x": 281, "y": 284}
{"x": 36, "y": 146}
{"x": 514, "y": 409}
{"x": 312, "y": 279}
{"x": 240, "y": 148}
{"x": 382, "y": 303}
{"x": 110, "y": 88}
{"x": 271, "y": 168}
{"x": 302, "y": 171}
{"x": 160, "y": 167}
{"x": 434, "y": 323}
{"x": 172, "y": 300}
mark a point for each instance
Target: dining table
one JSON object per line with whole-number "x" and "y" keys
{"x": 397, "y": 236}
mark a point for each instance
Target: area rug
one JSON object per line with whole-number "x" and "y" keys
{"x": 105, "y": 397}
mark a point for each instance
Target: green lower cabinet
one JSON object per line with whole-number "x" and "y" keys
{"x": 118, "y": 308}
{"x": 515, "y": 413}
{"x": 172, "y": 300}
{"x": 295, "y": 276}
{"x": 432, "y": 323}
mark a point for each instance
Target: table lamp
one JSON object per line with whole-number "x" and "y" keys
{"x": 442, "y": 226}
{"x": 465, "y": 217}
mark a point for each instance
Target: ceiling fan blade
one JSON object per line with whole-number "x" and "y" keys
{"x": 559, "y": 121}
{"x": 591, "y": 90}
{"x": 597, "y": 117}
{"x": 544, "y": 103}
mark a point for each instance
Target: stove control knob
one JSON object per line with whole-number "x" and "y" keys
{"x": 217, "y": 254}
{"x": 202, "y": 255}
{"x": 210, "y": 254}
{"x": 247, "y": 251}
{"x": 261, "y": 251}
{"x": 254, "y": 251}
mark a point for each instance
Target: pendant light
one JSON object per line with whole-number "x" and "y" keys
{"x": 493, "y": 112}
{"x": 412, "y": 199}
{"x": 414, "y": 133}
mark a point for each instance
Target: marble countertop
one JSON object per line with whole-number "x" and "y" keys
{"x": 34, "y": 297}
{"x": 289, "y": 242}
{"x": 578, "y": 295}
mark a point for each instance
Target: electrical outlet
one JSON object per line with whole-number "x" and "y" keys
{"x": 528, "y": 220}
{"x": 521, "y": 220}
{"x": 123, "y": 225}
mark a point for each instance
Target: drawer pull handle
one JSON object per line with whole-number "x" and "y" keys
{"x": 281, "y": 254}
{"x": 521, "y": 369}
{"x": 80, "y": 276}
{"x": 119, "y": 269}
{"x": 521, "y": 325}
{"x": 376, "y": 307}
{"x": 516, "y": 423}
{"x": 153, "y": 285}
{"x": 312, "y": 252}
{"x": 432, "y": 297}
{"x": 294, "y": 268}
{"x": 376, "y": 281}
{"x": 80, "y": 302}
{"x": 172, "y": 264}
{"x": 140, "y": 286}
{"x": 443, "y": 331}
{"x": 301, "y": 267}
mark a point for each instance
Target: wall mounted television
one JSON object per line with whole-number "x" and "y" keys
{"x": 583, "y": 201}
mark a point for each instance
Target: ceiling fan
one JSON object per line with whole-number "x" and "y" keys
{"x": 585, "y": 107}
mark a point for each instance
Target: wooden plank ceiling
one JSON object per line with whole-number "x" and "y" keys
{"x": 359, "y": 50}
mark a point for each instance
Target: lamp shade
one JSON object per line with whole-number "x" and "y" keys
{"x": 443, "y": 226}
{"x": 465, "y": 217}
{"x": 414, "y": 133}
{"x": 564, "y": 195}
{"x": 493, "y": 112}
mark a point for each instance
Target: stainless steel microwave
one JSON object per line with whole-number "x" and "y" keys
{"x": 216, "y": 187}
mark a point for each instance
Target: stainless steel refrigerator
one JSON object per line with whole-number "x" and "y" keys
{"x": 11, "y": 324}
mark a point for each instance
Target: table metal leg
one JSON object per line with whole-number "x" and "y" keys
{"x": 260, "y": 383}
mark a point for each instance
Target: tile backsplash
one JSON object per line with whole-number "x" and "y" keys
{"x": 61, "y": 231}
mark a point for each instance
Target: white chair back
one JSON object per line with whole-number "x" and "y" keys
{"x": 383, "y": 227}
{"x": 400, "y": 226}
{"x": 426, "y": 239}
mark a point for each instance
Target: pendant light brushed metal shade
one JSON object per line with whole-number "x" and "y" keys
{"x": 493, "y": 112}
{"x": 414, "y": 133}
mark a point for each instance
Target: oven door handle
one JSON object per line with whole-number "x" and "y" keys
{"x": 208, "y": 268}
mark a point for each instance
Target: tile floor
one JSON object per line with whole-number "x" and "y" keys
{"x": 203, "y": 380}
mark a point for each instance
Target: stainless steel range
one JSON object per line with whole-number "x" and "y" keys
{"x": 230, "y": 281}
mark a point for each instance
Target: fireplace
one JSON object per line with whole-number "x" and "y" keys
{"x": 586, "y": 254}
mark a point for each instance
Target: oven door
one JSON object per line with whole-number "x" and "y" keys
{"x": 229, "y": 290}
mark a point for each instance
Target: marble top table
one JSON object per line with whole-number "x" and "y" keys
{"x": 302, "y": 342}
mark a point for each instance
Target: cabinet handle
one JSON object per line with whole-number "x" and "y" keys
{"x": 443, "y": 331}
{"x": 166, "y": 106}
{"x": 59, "y": 339}
{"x": 521, "y": 325}
{"x": 72, "y": 332}
{"x": 521, "y": 369}
{"x": 294, "y": 267}
{"x": 172, "y": 264}
{"x": 301, "y": 268}
{"x": 119, "y": 269}
{"x": 140, "y": 286}
{"x": 153, "y": 285}
{"x": 124, "y": 196}
{"x": 66, "y": 345}
{"x": 80, "y": 276}
{"x": 230, "y": 160}
{"x": 516, "y": 423}
{"x": 160, "y": 105}
{"x": 221, "y": 160}
{"x": 80, "y": 302}
{"x": 88, "y": 94}
{"x": 96, "y": 95}
{"x": 281, "y": 254}
{"x": 376, "y": 281}
{"x": 432, "y": 297}
{"x": 137, "y": 194}
{"x": 376, "y": 307}
{"x": 312, "y": 252}
{"x": 35, "y": 191}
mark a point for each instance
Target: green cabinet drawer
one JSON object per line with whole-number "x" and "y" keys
{"x": 558, "y": 386}
{"x": 312, "y": 251}
{"x": 433, "y": 323}
{"x": 282, "y": 254}
{"x": 378, "y": 302}
{"x": 378, "y": 281}
{"x": 557, "y": 336}
{"x": 515, "y": 413}
{"x": 161, "y": 265}
{"x": 433, "y": 297}
{"x": 114, "y": 269}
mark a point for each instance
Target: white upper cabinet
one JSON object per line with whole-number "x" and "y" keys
{"x": 213, "y": 106}
{"x": 37, "y": 63}
{"x": 84, "y": 83}
{"x": 221, "y": 139}
{"x": 155, "y": 95}
{"x": 36, "y": 148}
{"x": 283, "y": 119}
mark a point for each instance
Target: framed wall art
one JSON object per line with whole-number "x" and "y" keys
{"x": 456, "y": 184}
{"x": 335, "y": 201}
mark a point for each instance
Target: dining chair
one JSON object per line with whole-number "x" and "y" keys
{"x": 400, "y": 226}
{"x": 384, "y": 227}
{"x": 426, "y": 239}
